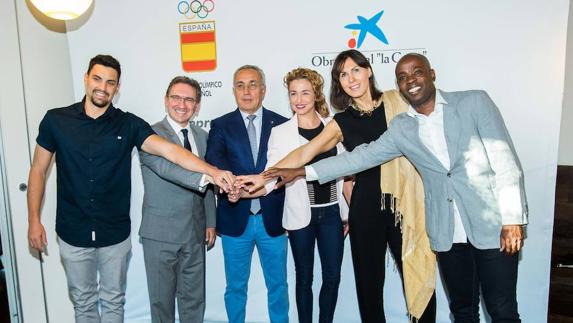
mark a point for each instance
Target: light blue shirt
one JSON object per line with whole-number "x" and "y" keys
{"x": 258, "y": 122}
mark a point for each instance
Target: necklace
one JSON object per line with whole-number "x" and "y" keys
{"x": 362, "y": 110}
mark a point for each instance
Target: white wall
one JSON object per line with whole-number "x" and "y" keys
{"x": 36, "y": 75}
{"x": 566, "y": 136}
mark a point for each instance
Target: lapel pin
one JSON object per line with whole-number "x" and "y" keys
{"x": 118, "y": 137}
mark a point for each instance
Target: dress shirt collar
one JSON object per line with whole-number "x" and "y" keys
{"x": 258, "y": 113}
{"x": 438, "y": 107}
{"x": 176, "y": 127}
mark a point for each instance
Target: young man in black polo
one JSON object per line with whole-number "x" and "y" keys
{"x": 93, "y": 141}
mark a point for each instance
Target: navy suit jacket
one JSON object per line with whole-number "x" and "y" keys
{"x": 228, "y": 148}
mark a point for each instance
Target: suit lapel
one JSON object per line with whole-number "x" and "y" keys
{"x": 266, "y": 126}
{"x": 412, "y": 133}
{"x": 452, "y": 129}
{"x": 199, "y": 143}
{"x": 170, "y": 133}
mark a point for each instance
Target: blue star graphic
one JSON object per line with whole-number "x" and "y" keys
{"x": 368, "y": 26}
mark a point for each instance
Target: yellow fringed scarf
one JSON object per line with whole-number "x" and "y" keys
{"x": 400, "y": 179}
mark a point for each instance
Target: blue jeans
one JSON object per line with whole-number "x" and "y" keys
{"x": 465, "y": 269}
{"x": 273, "y": 255}
{"x": 326, "y": 228}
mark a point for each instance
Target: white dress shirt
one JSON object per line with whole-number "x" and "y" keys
{"x": 431, "y": 132}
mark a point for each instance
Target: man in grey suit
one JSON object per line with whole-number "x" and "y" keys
{"x": 473, "y": 182}
{"x": 178, "y": 213}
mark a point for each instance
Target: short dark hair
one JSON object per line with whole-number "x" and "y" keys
{"x": 423, "y": 58}
{"x": 105, "y": 60}
{"x": 185, "y": 80}
{"x": 339, "y": 99}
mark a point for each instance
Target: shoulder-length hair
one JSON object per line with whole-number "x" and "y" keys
{"x": 339, "y": 99}
{"x": 317, "y": 83}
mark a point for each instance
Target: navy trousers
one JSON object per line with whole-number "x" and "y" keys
{"x": 465, "y": 269}
{"x": 325, "y": 228}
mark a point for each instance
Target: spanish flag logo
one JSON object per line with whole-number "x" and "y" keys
{"x": 198, "y": 50}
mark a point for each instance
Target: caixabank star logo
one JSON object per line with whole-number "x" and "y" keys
{"x": 197, "y": 38}
{"x": 368, "y": 32}
{"x": 365, "y": 27}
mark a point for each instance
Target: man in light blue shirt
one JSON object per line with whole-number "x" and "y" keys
{"x": 239, "y": 141}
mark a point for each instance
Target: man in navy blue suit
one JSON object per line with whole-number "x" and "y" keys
{"x": 238, "y": 142}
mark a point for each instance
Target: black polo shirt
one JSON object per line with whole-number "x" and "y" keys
{"x": 93, "y": 162}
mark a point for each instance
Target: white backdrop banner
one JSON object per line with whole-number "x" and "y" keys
{"x": 514, "y": 49}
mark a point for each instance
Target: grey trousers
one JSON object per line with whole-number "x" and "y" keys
{"x": 175, "y": 271}
{"x": 82, "y": 266}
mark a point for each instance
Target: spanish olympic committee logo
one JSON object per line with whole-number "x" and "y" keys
{"x": 196, "y": 8}
{"x": 365, "y": 27}
{"x": 198, "y": 47}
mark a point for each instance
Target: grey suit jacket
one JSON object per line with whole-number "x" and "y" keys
{"x": 484, "y": 170}
{"x": 175, "y": 208}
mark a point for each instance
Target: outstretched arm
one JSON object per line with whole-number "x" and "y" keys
{"x": 290, "y": 167}
{"x": 172, "y": 172}
{"x": 156, "y": 145}
{"x": 326, "y": 140}
{"x": 361, "y": 158}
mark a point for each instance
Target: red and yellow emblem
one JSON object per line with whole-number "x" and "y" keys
{"x": 198, "y": 48}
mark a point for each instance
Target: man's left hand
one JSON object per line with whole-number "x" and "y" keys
{"x": 210, "y": 237}
{"x": 511, "y": 239}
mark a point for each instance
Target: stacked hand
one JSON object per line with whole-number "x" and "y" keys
{"x": 251, "y": 185}
{"x": 246, "y": 186}
{"x": 236, "y": 193}
{"x": 222, "y": 178}
{"x": 286, "y": 175}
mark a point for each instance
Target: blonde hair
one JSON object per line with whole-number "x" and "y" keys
{"x": 316, "y": 81}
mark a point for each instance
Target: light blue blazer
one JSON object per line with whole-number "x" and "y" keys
{"x": 485, "y": 178}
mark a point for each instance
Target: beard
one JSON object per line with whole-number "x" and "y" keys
{"x": 99, "y": 103}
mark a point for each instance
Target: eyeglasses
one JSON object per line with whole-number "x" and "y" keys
{"x": 179, "y": 99}
{"x": 240, "y": 86}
